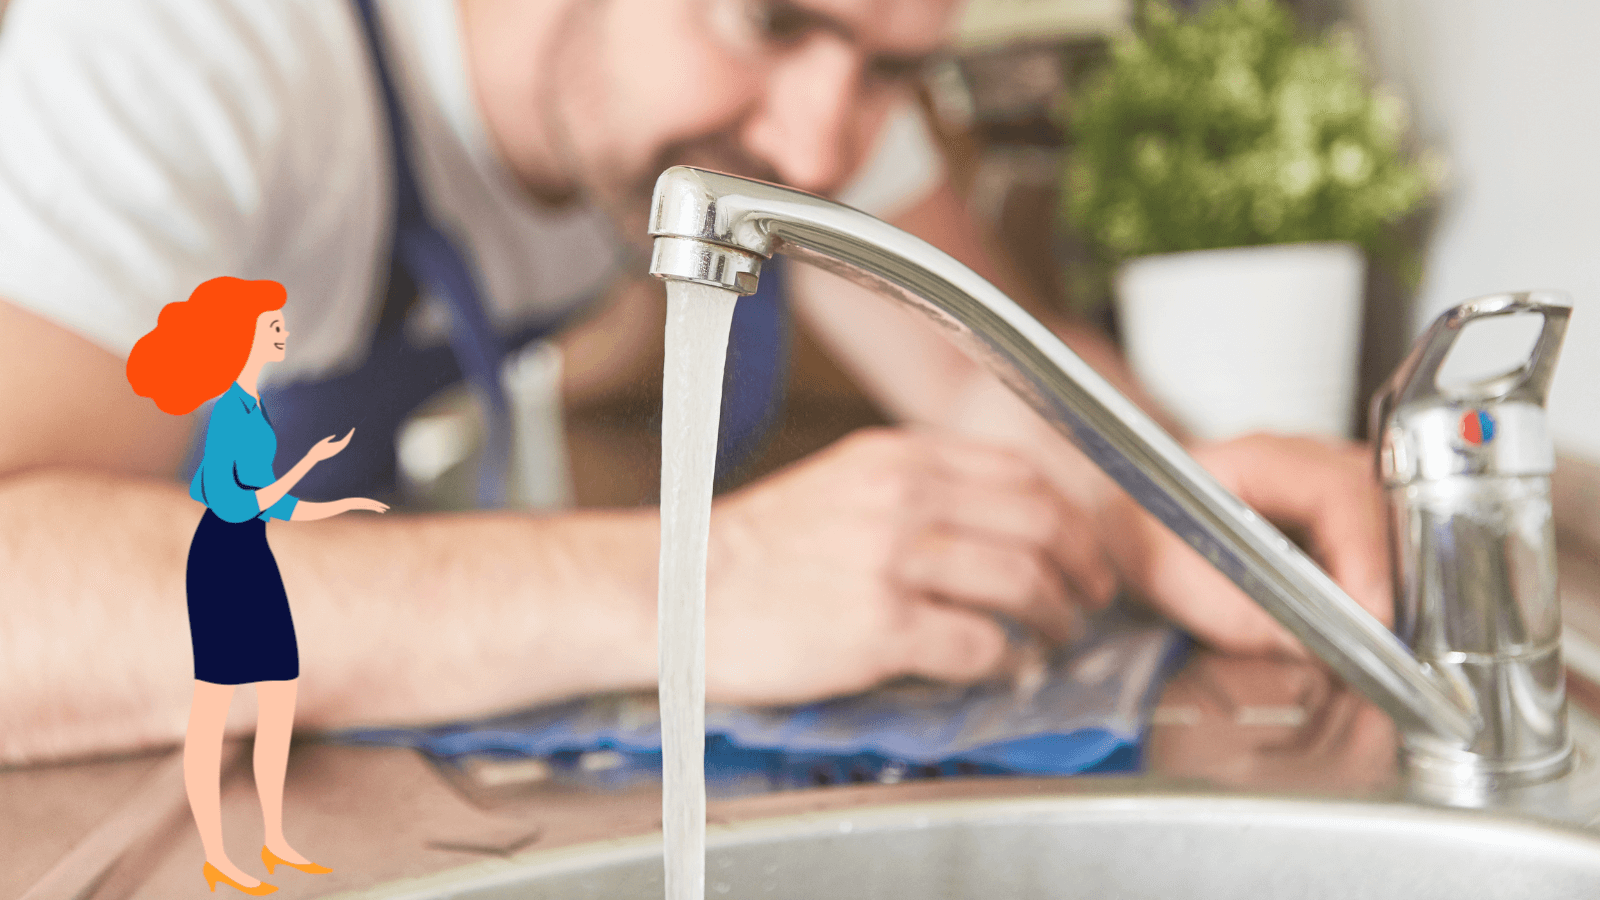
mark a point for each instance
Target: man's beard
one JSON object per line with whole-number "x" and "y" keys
{"x": 627, "y": 200}
{"x": 621, "y": 188}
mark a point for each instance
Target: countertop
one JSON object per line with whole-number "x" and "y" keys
{"x": 377, "y": 814}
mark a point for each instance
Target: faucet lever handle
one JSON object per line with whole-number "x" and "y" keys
{"x": 1416, "y": 380}
{"x": 1418, "y": 377}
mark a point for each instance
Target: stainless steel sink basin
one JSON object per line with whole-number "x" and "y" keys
{"x": 1088, "y": 846}
{"x": 1242, "y": 760}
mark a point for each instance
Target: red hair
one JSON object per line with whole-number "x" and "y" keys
{"x": 200, "y": 345}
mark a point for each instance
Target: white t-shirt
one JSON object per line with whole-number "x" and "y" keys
{"x": 149, "y": 145}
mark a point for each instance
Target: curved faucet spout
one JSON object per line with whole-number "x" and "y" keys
{"x": 716, "y": 228}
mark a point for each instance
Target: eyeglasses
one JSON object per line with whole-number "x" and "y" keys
{"x": 764, "y": 29}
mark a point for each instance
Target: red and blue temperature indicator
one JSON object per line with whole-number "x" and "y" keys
{"x": 1477, "y": 427}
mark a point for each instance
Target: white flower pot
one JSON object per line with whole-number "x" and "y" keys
{"x": 1249, "y": 338}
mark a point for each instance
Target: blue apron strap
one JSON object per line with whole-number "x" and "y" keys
{"x": 397, "y": 378}
{"x": 757, "y": 370}
{"x": 435, "y": 261}
{"x": 756, "y": 375}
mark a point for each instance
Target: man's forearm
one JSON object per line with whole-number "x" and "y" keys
{"x": 398, "y": 620}
{"x": 945, "y": 222}
{"x": 918, "y": 375}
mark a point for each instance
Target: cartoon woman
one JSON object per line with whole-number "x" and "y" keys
{"x": 216, "y": 343}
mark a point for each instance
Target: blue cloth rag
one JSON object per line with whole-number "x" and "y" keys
{"x": 1084, "y": 710}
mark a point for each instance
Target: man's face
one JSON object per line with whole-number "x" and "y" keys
{"x": 793, "y": 91}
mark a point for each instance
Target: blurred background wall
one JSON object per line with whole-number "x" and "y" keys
{"x": 1509, "y": 91}
{"x": 1505, "y": 91}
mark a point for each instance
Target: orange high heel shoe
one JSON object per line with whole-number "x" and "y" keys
{"x": 213, "y": 875}
{"x": 272, "y": 859}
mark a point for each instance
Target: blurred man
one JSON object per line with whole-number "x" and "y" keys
{"x": 152, "y": 144}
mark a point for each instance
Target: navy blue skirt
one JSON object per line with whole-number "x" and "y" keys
{"x": 239, "y": 618}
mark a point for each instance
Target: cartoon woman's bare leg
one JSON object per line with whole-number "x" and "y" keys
{"x": 274, "y": 727}
{"x": 202, "y": 773}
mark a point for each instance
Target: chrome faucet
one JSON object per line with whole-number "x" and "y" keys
{"x": 717, "y": 229}
{"x": 1467, "y": 470}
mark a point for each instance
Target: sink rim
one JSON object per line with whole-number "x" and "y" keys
{"x": 1506, "y": 832}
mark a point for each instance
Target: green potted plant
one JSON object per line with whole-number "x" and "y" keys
{"x": 1237, "y": 172}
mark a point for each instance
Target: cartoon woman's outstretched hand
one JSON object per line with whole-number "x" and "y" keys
{"x": 350, "y": 504}
{"x": 308, "y": 511}
{"x": 328, "y": 447}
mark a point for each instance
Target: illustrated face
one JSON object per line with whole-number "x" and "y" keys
{"x": 792, "y": 91}
{"x": 272, "y": 336}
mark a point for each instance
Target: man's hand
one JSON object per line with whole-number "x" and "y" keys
{"x": 1322, "y": 491}
{"x": 889, "y": 554}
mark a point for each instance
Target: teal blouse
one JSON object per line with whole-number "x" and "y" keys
{"x": 240, "y": 446}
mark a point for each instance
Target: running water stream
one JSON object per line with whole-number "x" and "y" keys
{"x": 698, "y": 319}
